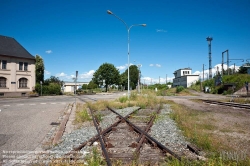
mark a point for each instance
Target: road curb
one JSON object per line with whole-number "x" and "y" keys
{"x": 62, "y": 126}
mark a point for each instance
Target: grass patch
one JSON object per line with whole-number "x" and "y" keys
{"x": 82, "y": 114}
{"x": 95, "y": 158}
{"x": 189, "y": 122}
{"x": 123, "y": 99}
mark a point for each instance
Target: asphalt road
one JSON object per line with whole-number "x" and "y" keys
{"x": 24, "y": 122}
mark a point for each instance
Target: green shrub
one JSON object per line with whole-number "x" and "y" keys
{"x": 179, "y": 89}
{"x": 52, "y": 88}
{"x": 82, "y": 116}
{"x": 123, "y": 99}
{"x": 133, "y": 96}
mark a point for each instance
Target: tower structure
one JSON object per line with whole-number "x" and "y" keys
{"x": 209, "y": 39}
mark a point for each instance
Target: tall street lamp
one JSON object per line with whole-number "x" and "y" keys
{"x": 41, "y": 87}
{"x": 128, "y": 29}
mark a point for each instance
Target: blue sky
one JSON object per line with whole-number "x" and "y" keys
{"x": 79, "y": 35}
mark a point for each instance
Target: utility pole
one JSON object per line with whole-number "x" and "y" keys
{"x": 159, "y": 80}
{"x": 203, "y": 72}
{"x": 209, "y": 39}
{"x": 75, "y": 86}
{"x": 166, "y": 79}
{"x": 227, "y": 62}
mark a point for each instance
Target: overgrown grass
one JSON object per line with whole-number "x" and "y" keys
{"x": 245, "y": 100}
{"x": 196, "y": 126}
{"x": 82, "y": 114}
{"x": 95, "y": 158}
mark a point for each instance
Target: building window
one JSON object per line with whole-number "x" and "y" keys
{"x": 25, "y": 66}
{"x": 4, "y": 64}
{"x": 23, "y": 83}
{"x": 20, "y": 65}
{"x": 2, "y": 82}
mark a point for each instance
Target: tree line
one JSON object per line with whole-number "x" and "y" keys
{"x": 105, "y": 76}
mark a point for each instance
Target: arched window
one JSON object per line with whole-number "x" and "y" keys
{"x": 23, "y": 82}
{"x": 3, "y": 82}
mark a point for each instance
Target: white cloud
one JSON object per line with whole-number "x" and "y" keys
{"x": 48, "y": 51}
{"x": 61, "y": 75}
{"x": 160, "y": 30}
{"x": 157, "y": 65}
{"x": 216, "y": 68}
{"x": 87, "y": 75}
{"x": 121, "y": 67}
{"x": 47, "y": 72}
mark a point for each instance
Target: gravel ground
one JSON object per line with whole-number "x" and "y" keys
{"x": 166, "y": 132}
{"x": 79, "y": 136}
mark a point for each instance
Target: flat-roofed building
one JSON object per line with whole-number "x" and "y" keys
{"x": 184, "y": 77}
{"x": 17, "y": 68}
{"x": 70, "y": 86}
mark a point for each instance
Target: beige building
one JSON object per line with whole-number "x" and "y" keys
{"x": 184, "y": 77}
{"x": 70, "y": 86}
{"x": 17, "y": 68}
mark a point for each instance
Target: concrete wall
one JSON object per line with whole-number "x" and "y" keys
{"x": 185, "y": 81}
{"x": 192, "y": 79}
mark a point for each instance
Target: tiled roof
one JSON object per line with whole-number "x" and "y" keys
{"x": 10, "y": 47}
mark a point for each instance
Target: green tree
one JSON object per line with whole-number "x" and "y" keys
{"x": 242, "y": 69}
{"x": 133, "y": 77}
{"x": 92, "y": 85}
{"x": 106, "y": 72}
{"x": 39, "y": 69}
{"x": 53, "y": 79}
{"x": 50, "y": 86}
{"x": 84, "y": 86}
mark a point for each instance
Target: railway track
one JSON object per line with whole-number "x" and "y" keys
{"x": 127, "y": 140}
{"x": 229, "y": 104}
{"x": 130, "y": 140}
{"x": 86, "y": 99}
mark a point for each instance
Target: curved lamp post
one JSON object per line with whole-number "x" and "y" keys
{"x": 128, "y": 29}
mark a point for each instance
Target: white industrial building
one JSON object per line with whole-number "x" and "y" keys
{"x": 70, "y": 86}
{"x": 184, "y": 77}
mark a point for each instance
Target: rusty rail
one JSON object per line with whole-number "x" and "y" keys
{"x": 101, "y": 139}
{"x": 164, "y": 148}
{"x": 237, "y": 105}
{"x": 96, "y": 137}
{"x": 142, "y": 136}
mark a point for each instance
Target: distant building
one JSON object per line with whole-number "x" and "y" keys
{"x": 184, "y": 77}
{"x": 17, "y": 68}
{"x": 70, "y": 86}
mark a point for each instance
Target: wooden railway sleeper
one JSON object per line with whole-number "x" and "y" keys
{"x": 148, "y": 136}
{"x": 96, "y": 137}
